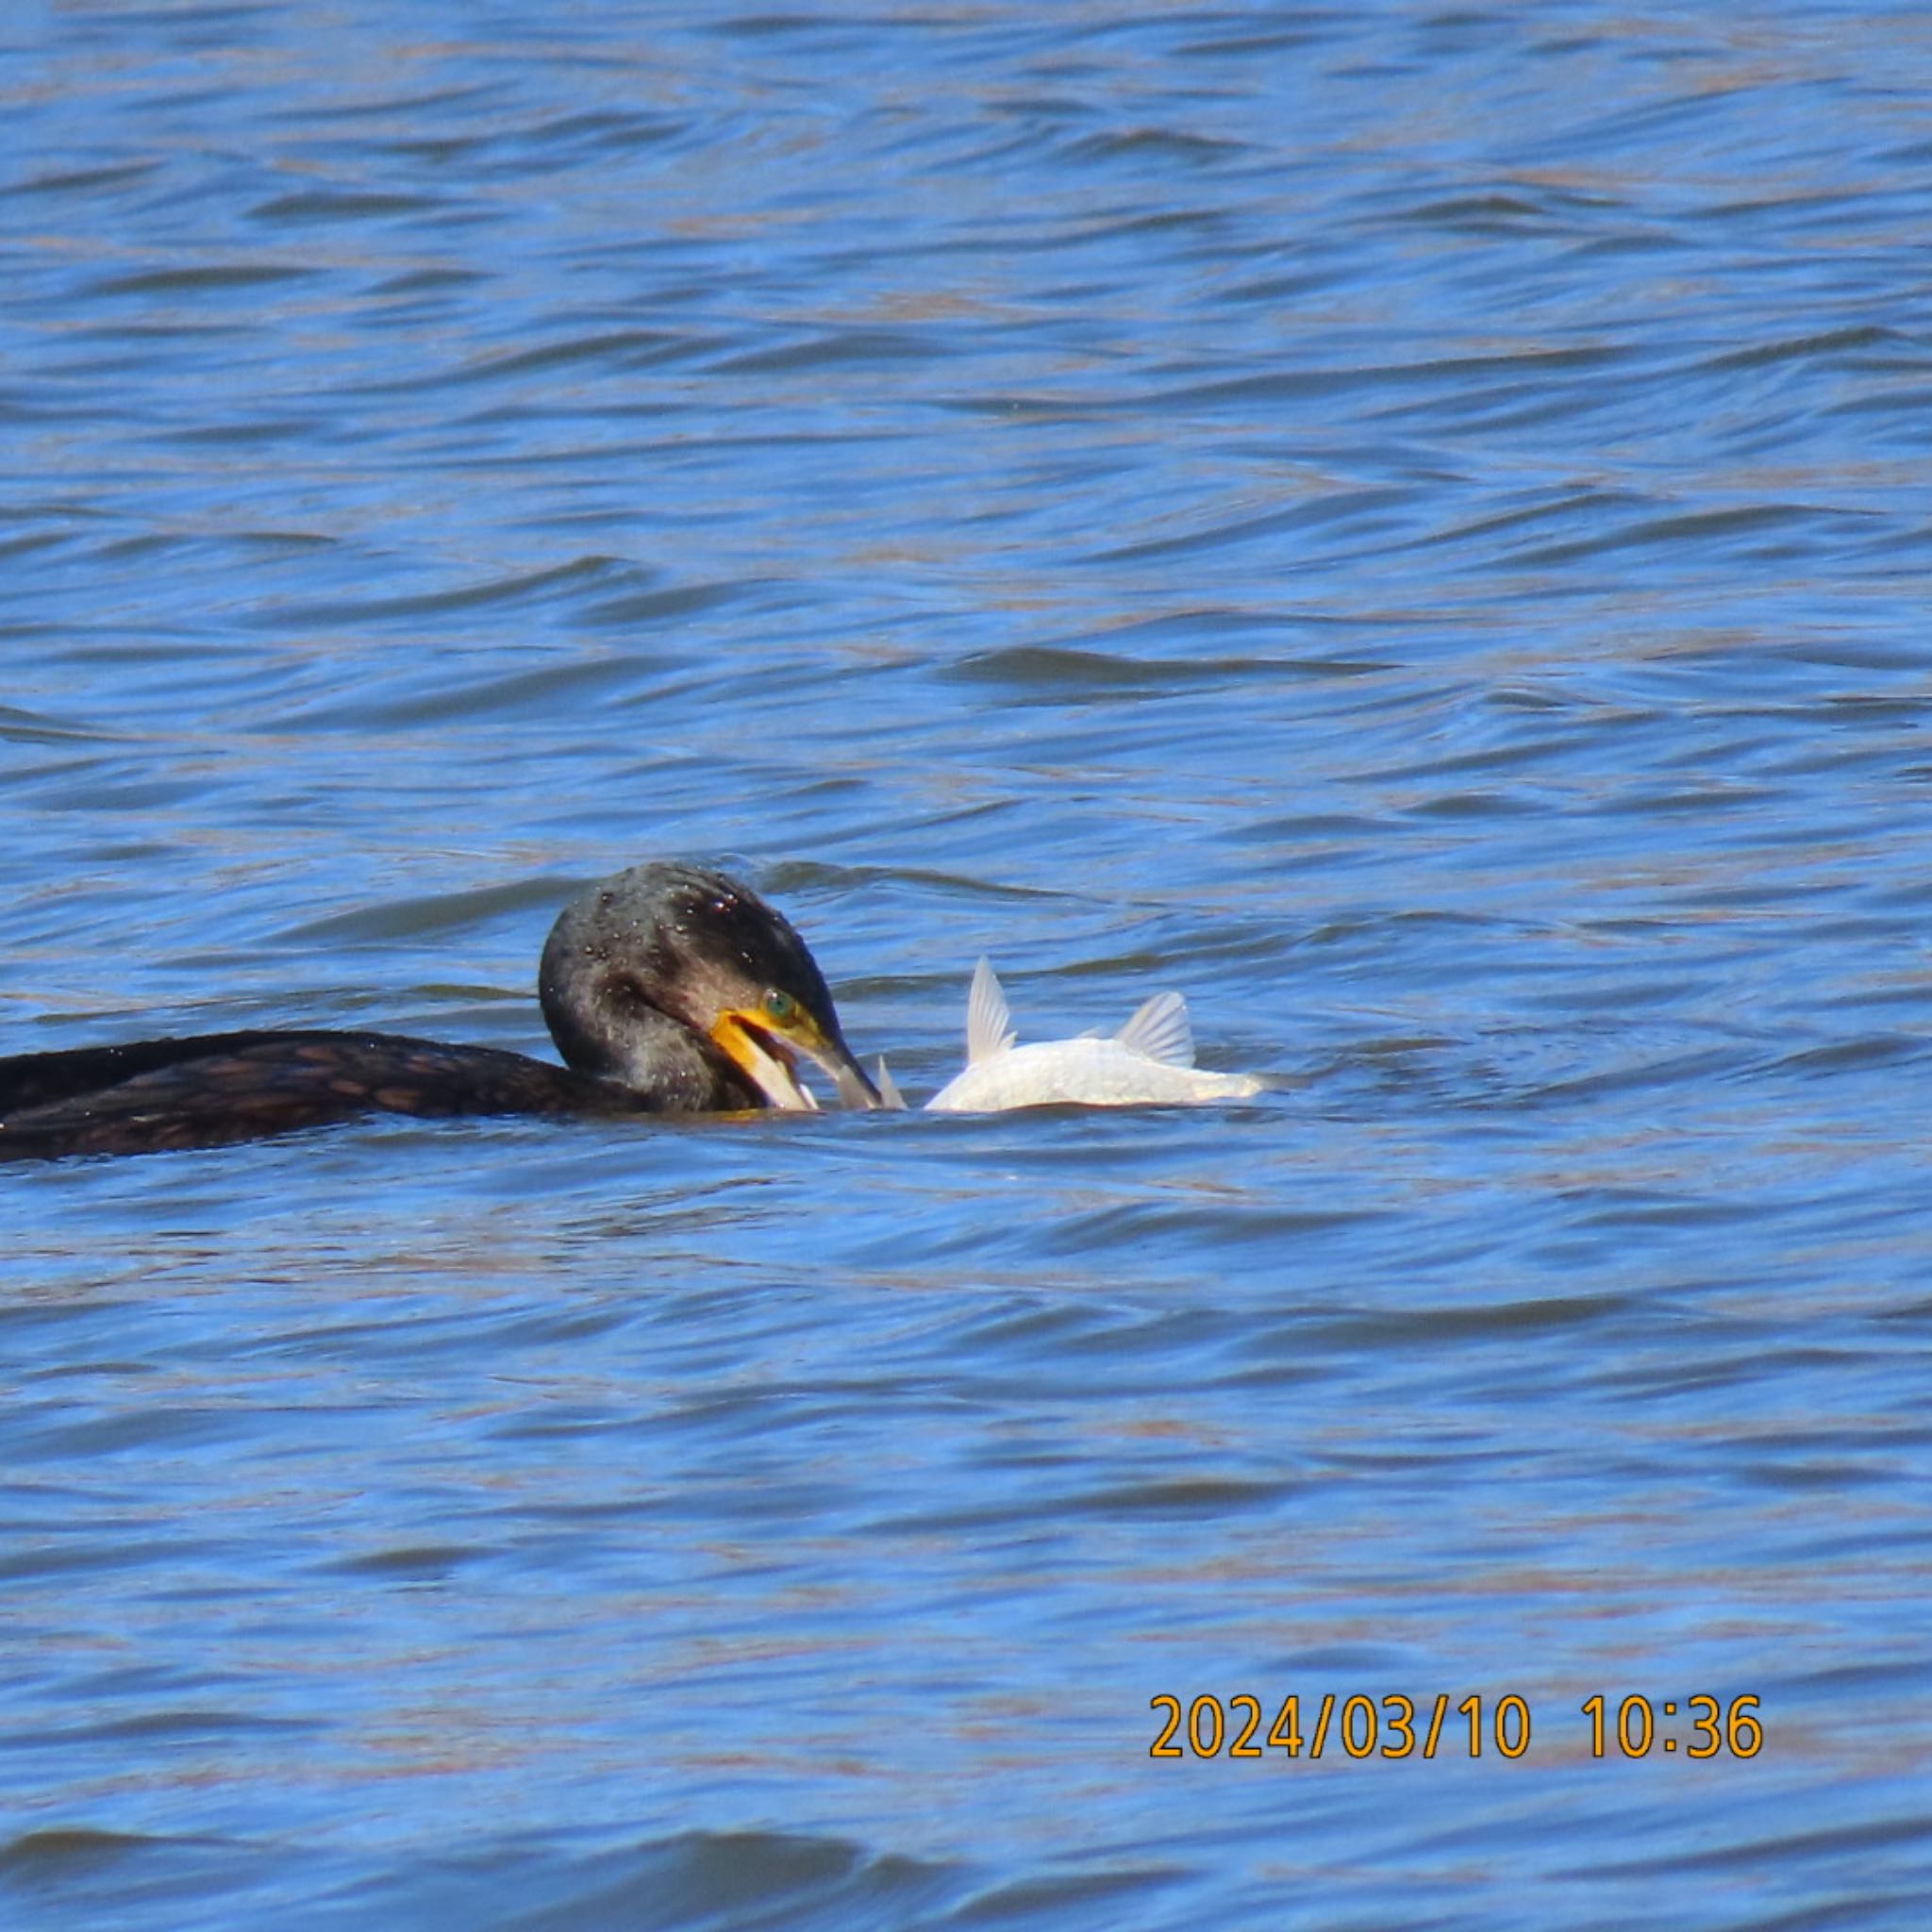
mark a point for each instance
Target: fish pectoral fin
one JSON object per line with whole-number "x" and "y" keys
{"x": 988, "y": 1024}
{"x": 1161, "y": 1030}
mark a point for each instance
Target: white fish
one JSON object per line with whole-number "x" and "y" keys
{"x": 1149, "y": 1062}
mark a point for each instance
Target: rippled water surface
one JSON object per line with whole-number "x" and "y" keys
{"x": 1410, "y": 524}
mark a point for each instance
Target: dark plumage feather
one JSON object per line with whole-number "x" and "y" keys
{"x": 636, "y": 973}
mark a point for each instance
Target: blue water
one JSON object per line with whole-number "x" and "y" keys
{"x": 1408, "y": 526}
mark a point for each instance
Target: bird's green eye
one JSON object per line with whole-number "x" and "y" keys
{"x": 780, "y": 1007}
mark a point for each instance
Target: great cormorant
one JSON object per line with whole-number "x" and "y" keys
{"x": 667, "y": 989}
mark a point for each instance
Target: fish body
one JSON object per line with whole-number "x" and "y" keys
{"x": 1149, "y": 1062}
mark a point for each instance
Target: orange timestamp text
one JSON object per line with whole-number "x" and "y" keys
{"x": 1395, "y": 1726}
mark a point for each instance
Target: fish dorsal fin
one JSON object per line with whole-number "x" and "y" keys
{"x": 989, "y": 1025}
{"x": 1160, "y": 1029}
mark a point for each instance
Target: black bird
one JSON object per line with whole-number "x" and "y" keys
{"x": 667, "y": 989}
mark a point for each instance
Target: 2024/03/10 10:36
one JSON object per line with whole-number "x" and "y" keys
{"x": 1717, "y": 1728}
